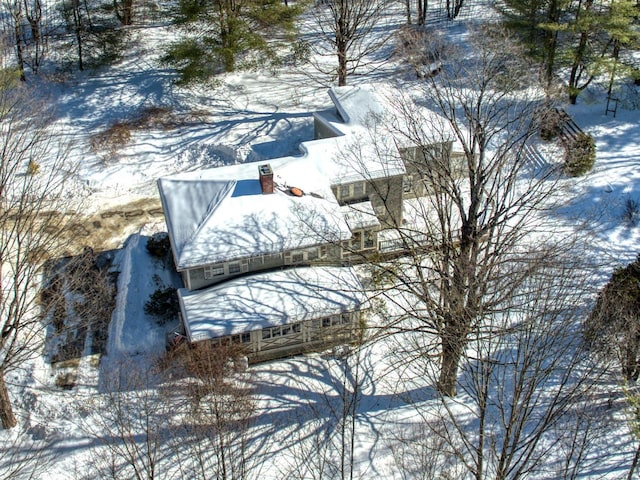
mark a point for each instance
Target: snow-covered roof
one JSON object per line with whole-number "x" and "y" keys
{"x": 365, "y": 150}
{"x": 356, "y": 105}
{"x": 360, "y": 215}
{"x": 269, "y": 299}
{"x": 221, "y": 214}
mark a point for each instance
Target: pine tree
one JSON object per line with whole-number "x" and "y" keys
{"x": 582, "y": 36}
{"x": 598, "y": 32}
{"x": 537, "y": 23}
{"x": 219, "y": 32}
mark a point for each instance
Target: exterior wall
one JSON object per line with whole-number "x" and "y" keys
{"x": 385, "y": 195}
{"x": 420, "y": 161}
{"x": 364, "y": 241}
{"x": 299, "y": 337}
{"x": 201, "y": 277}
{"x": 322, "y": 130}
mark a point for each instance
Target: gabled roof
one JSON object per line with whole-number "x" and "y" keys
{"x": 220, "y": 214}
{"x": 269, "y": 299}
{"x": 189, "y": 205}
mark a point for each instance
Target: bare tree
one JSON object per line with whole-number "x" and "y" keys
{"x": 421, "y": 11}
{"x": 323, "y": 446}
{"x": 24, "y": 457}
{"x": 481, "y": 202}
{"x": 527, "y": 382}
{"x": 131, "y": 422}
{"x": 453, "y": 8}
{"x": 350, "y": 30}
{"x": 27, "y": 23}
{"x": 32, "y": 206}
{"x": 213, "y": 436}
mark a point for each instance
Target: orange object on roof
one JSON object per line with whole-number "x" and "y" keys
{"x": 296, "y": 192}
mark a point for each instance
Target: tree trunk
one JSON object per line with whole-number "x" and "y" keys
{"x": 456, "y": 8}
{"x": 77, "y": 20}
{"x": 6, "y": 410}
{"x": 19, "y": 54}
{"x": 616, "y": 56}
{"x": 341, "y": 44}
{"x": 451, "y": 355}
{"x": 574, "y": 76}
{"x": 420, "y": 13}
{"x": 634, "y": 463}
{"x": 342, "y": 69}
{"x": 551, "y": 43}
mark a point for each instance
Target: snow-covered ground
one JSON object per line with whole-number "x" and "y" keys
{"x": 252, "y": 116}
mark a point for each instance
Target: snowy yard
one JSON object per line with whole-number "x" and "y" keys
{"x": 253, "y": 116}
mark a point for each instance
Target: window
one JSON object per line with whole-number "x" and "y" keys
{"x": 275, "y": 332}
{"x": 406, "y": 183}
{"x": 256, "y": 262}
{"x": 323, "y": 252}
{"x": 297, "y": 257}
{"x": 241, "y": 338}
{"x": 213, "y": 271}
{"x": 358, "y": 189}
{"x": 345, "y": 318}
{"x": 296, "y": 327}
{"x": 266, "y": 333}
{"x": 356, "y": 241}
{"x": 312, "y": 254}
{"x": 368, "y": 239}
{"x": 234, "y": 267}
{"x": 286, "y": 330}
{"x": 344, "y": 191}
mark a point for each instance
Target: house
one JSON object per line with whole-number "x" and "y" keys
{"x": 239, "y": 230}
{"x": 278, "y": 313}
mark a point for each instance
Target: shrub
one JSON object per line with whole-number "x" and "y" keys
{"x": 112, "y": 139}
{"x": 163, "y": 304}
{"x": 612, "y": 328}
{"x": 580, "y": 155}
{"x": 159, "y": 246}
{"x": 631, "y": 211}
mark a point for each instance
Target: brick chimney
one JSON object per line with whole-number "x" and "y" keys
{"x": 266, "y": 178}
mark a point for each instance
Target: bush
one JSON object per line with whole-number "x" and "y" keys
{"x": 163, "y": 304}
{"x": 159, "y": 246}
{"x": 580, "y": 155}
{"x": 631, "y": 211}
{"x": 612, "y": 328}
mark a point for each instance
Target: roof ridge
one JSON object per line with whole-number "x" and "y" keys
{"x": 212, "y": 207}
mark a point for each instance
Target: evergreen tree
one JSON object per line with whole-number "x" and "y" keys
{"x": 582, "y": 36}
{"x": 598, "y": 32}
{"x": 537, "y": 23}
{"x": 218, "y": 32}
